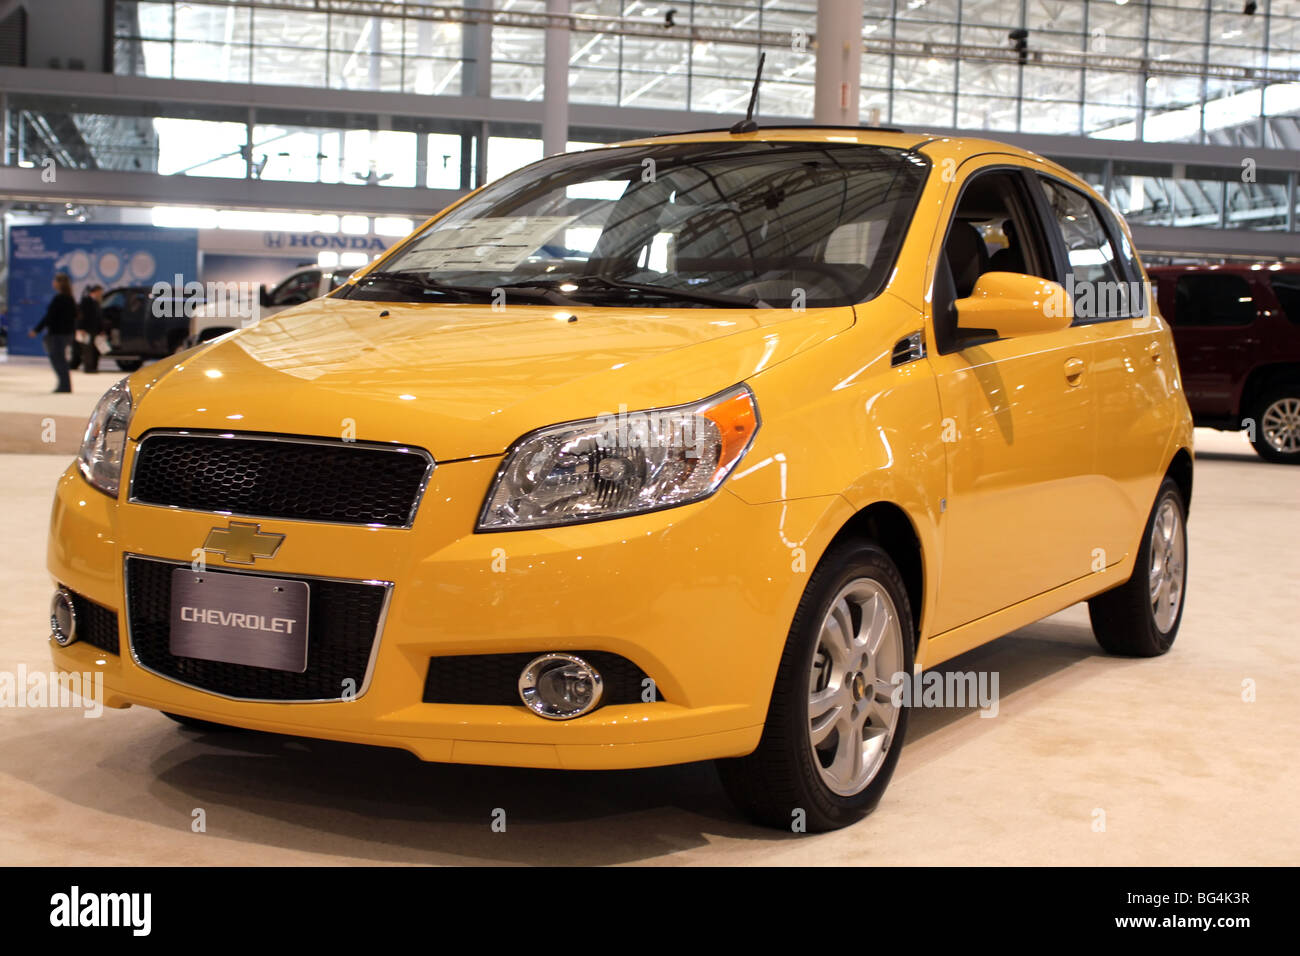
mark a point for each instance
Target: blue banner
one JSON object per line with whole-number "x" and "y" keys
{"x": 107, "y": 254}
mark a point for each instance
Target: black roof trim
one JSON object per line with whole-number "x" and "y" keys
{"x": 729, "y": 129}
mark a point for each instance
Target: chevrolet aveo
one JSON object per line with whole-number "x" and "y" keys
{"x": 688, "y": 448}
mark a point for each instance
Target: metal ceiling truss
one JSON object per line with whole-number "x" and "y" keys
{"x": 746, "y": 36}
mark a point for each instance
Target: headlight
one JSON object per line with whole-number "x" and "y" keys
{"x": 104, "y": 446}
{"x": 621, "y": 464}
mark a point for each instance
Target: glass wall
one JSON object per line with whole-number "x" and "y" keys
{"x": 943, "y": 63}
{"x": 239, "y": 43}
{"x": 280, "y": 145}
{"x": 935, "y": 63}
{"x": 353, "y": 149}
{"x": 1209, "y": 197}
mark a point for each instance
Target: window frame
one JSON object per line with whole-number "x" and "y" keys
{"x": 1056, "y": 237}
{"x": 948, "y": 341}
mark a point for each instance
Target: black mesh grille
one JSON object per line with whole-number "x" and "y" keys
{"x": 343, "y": 623}
{"x": 327, "y": 481}
{"x": 96, "y": 624}
{"x": 494, "y": 678}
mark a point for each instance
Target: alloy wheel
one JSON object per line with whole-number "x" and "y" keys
{"x": 851, "y": 714}
{"x": 1280, "y": 426}
{"x": 1168, "y": 549}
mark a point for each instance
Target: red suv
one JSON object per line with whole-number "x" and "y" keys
{"x": 1237, "y": 332}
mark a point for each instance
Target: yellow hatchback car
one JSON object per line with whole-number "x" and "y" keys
{"x": 696, "y": 447}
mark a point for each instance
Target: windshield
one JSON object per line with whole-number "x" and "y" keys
{"x": 749, "y": 225}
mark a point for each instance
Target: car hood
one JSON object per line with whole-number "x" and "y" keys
{"x": 463, "y": 381}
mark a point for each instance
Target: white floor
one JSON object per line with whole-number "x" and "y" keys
{"x": 1184, "y": 770}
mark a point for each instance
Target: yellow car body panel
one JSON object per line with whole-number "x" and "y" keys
{"x": 700, "y": 596}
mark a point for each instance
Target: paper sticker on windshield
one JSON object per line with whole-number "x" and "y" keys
{"x": 488, "y": 245}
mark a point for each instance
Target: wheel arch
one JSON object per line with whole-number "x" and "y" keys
{"x": 889, "y": 526}
{"x": 1180, "y": 470}
{"x": 1260, "y": 380}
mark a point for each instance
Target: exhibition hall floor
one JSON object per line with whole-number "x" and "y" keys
{"x": 1167, "y": 752}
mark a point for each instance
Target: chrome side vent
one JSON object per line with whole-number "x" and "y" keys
{"x": 908, "y": 349}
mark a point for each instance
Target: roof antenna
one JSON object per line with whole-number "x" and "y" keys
{"x": 747, "y": 125}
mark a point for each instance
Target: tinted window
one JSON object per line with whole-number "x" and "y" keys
{"x": 1287, "y": 289}
{"x": 1212, "y": 299}
{"x": 300, "y": 287}
{"x": 749, "y": 224}
{"x": 1095, "y": 280}
{"x": 993, "y": 230}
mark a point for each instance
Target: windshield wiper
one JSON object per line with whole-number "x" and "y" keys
{"x": 550, "y": 290}
{"x": 428, "y": 284}
{"x": 599, "y": 283}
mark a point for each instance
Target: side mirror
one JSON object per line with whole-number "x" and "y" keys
{"x": 1007, "y": 304}
{"x": 262, "y": 296}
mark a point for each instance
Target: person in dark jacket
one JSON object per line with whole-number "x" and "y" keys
{"x": 90, "y": 323}
{"x": 59, "y": 324}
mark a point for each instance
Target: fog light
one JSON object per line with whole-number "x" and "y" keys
{"x": 63, "y": 618}
{"x": 560, "y": 686}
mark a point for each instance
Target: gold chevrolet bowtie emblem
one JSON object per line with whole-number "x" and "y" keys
{"x": 242, "y": 542}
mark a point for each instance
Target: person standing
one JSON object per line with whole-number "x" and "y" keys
{"x": 90, "y": 323}
{"x": 59, "y": 323}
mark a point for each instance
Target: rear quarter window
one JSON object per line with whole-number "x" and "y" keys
{"x": 1287, "y": 289}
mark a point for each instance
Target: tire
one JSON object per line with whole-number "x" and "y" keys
{"x": 129, "y": 365}
{"x": 1125, "y": 620}
{"x": 206, "y": 726}
{"x": 788, "y": 773}
{"x": 1276, "y": 435}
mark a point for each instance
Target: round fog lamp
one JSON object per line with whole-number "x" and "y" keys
{"x": 560, "y": 686}
{"x": 63, "y": 618}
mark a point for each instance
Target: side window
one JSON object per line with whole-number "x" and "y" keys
{"x": 1127, "y": 256}
{"x": 992, "y": 230}
{"x": 1287, "y": 289}
{"x": 1202, "y": 298}
{"x": 1095, "y": 280}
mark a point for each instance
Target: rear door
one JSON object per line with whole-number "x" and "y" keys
{"x": 1018, "y": 418}
{"x": 1214, "y": 317}
{"x": 1133, "y": 369}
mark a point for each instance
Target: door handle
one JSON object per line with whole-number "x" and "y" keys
{"x": 1074, "y": 371}
{"x": 1154, "y": 351}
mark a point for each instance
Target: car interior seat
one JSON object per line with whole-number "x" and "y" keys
{"x": 1011, "y": 258}
{"x": 967, "y": 255}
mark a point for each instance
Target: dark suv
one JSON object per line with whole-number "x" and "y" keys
{"x": 139, "y": 327}
{"x": 1237, "y": 332}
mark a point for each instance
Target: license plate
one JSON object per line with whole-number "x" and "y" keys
{"x": 240, "y": 619}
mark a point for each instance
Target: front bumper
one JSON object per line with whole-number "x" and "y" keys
{"x": 699, "y": 597}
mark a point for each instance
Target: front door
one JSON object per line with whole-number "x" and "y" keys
{"x": 1018, "y": 417}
